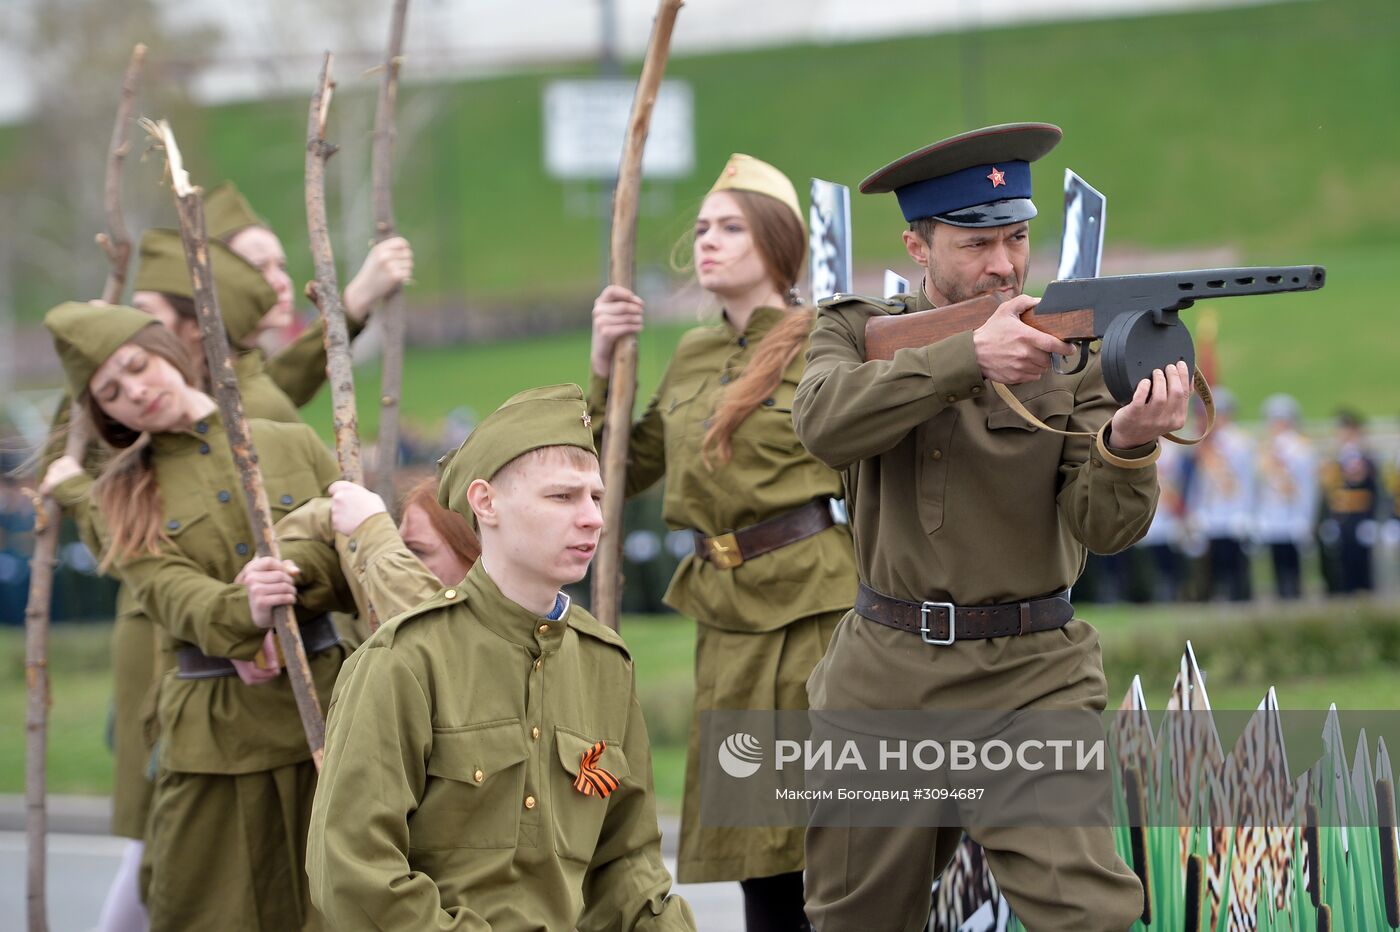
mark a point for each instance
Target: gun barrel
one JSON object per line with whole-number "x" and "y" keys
{"x": 1172, "y": 291}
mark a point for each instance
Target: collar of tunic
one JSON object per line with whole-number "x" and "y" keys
{"x": 508, "y": 620}
{"x": 760, "y": 322}
{"x": 190, "y": 440}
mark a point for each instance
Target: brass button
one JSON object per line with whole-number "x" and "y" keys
{"x": 529, "y": 802}
{"x": 976, "y": 389}
{"x": 544, "y": 629}
{"x": 535, "y": 732}
{"x": 937, "y": 454}
{"x": 478, "y": 776}
{"x": 450, "y": 594}
{"x": 538, "y": 662}
{"x": 1096, "y": 462}
{"x": 950, "y": 398}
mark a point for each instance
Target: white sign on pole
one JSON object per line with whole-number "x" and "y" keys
{"x": 585, "y": 121}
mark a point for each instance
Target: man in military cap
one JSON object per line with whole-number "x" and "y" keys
{"x": 955, "y": 502}
{"x": 487, "y": 765}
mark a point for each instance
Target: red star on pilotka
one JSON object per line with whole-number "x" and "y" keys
{"x": 997, "y": 178}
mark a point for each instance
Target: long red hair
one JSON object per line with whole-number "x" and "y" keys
{"x": 455, "y": 530}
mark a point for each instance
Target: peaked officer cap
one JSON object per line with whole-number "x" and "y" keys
{"x": 244, "y": 295}
{"x": 555, "y": 415}
{"x": 86, "y": 335}
{"x": 976, "y": 179}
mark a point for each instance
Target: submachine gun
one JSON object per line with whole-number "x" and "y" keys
{"x": 1136, "y": 317}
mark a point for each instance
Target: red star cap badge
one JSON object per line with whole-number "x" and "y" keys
{"x": 997, "y": 178}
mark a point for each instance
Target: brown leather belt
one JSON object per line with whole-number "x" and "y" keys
{"x": 191, "y": 663}
{"x": 727, "y": 551}
{"x": 930, "y": 620}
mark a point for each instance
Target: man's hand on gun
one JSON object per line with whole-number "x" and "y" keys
{"x": 1158, "y": 407}
{"x": 1011, "y": 351}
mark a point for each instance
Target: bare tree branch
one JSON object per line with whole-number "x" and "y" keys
{"x": 622, "y": 385}
{"x": 47, "y": 522}
{"x": 391, "y": 378}
{"x": 189, "y": 204}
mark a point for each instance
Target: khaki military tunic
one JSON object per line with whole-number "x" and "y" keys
{"x": 447, "y": 800}
{"x": 764, "y": 624}
{"x": 225, "y": 839}
{"x": 953, "y": 497}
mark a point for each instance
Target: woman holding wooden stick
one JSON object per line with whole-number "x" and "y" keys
{"x": 242, "y": 246}
{"x": 300, "y": 368}
{"x": 772, "y": 573}
{"x": 226, "y": 836}
{"x": 163, "y": 290}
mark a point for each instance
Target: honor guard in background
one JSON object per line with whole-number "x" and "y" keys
{"x": 957, "y": 502}
{"x": 1220, "y": 502}
{"x": 1351, "y": 499}
{"x": 772, "y": 573}
{"x": 1287, "y": 494}
{"x": 487, "y": 765}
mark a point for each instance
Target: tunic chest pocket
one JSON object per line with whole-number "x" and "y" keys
{"x": 683, "y": 413}
{"x": 1053, "y": 407}
{"x": 578, "y": 819}
{"x": 475, "y": 785}
{"x": 197, "y": 538}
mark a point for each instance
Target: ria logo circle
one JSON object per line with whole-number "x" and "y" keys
{"x": 740, "y": 755}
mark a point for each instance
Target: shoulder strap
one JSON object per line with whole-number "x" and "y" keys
{"x": 1198, "y": 384}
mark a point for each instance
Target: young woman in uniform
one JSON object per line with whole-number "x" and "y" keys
{"x": 771, "y": 574}
{"x": 226, "y": 836}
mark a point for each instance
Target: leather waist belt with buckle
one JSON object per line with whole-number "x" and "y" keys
{"x": 191, "y": 663}
{"x": 727, "y": 551}
{"x": 943, "y": 622}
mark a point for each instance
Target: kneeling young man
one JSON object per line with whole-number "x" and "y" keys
{"x": 487, "y": 765}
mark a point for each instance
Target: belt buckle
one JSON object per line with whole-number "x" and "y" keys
{"x": 952, "y": 623}
{"x": 724, "y": 551}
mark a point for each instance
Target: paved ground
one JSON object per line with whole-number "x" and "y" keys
{"x": 83, "y": 858}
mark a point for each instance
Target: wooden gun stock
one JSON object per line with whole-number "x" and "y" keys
{"x": 885, "y": 335}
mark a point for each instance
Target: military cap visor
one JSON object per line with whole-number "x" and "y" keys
{"x": 976, "y": 179}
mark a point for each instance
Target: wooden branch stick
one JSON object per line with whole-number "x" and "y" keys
{"x": 391, "y": 369}
{"x": 116, "y": 243}
{"x": 189, "y": 204}
{"x": 324, "y": 292}
{"x": 622, "y": 384}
